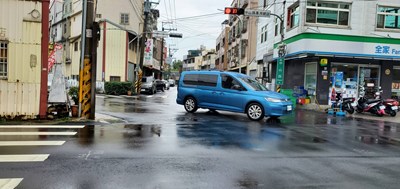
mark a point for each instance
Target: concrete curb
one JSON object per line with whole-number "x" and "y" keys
{"x": 313, "y": 107}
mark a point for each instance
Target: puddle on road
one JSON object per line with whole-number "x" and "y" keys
{"x": 248, "y": 183}
{"x": 140, "y": 130}
{"x": 136, "y": 110}
{"x": 318, "y": 140}
{"x": 368, "y": 139}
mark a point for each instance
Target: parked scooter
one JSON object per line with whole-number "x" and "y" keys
{"x": 373, "y": 106}
{"x": 391, "y": 105}
{"x": 344, "y": 103}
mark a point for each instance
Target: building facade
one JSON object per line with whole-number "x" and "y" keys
{"x": 118, "y": 49}
{"x": 192, "y": 60}
{"x": 208, "y": 60}
{"x": 346, "y": 45}
{"x": 221, "y": 61}
{"x": 242, "y": 38}
{"x": 20, "y": 58}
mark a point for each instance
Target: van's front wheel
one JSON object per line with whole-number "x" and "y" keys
{"x": 255, "y": 111}
{"x": 190, "y": 105}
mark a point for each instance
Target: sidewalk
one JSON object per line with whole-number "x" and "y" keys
{"x": 99, "y": 118}
{"x": 115, "y": 96}
{"x": 369, "y": 116}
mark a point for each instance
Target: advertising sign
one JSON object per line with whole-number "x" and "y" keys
{"x": 280, "y": 70}
{"x": 148, "y": 53}
{"x": 339, "y": 79}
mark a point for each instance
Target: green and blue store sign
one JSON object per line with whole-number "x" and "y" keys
{"x": 342, "y": 45}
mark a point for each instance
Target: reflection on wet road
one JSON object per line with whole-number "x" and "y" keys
{"x": 162, "y": 146}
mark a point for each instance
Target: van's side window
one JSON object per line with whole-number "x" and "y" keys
{"x": 228, "y": 82}
{"x": 201, "y": 79}
{"x": 208, "y": 80}
{"x": 190, "y": 79}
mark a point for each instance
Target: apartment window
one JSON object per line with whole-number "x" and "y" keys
{"x": 70, "y": 6}
{"x": 3, "y": 59}
{"x": 264, "y": 34}
{"x": 115, "y": 78}
{"x": 98, "y": 15}
{"x": 65, "y": 28}
{"x": 293, "y": 16}
{"x": 388, "y": 17}
{"x": 328, "y": 13}
{"x": 124, "y": 19}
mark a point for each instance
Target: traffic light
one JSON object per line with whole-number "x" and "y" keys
{"x": 233, "y": 10}
{"x": 175, "y": 35}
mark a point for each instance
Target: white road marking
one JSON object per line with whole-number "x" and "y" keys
{"x": 10, "y": 183}
{"x": 23, "y": 158}
{"x": 36, "y": 133}
{"x": 43, "y": 126}
{"x": 31, "y": 143}
{"x": 87, "y": 156}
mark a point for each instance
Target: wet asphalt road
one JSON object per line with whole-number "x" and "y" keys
{"x": 162, "y": 146}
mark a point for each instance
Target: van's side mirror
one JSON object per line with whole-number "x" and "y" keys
{"x": 237, "y": 87}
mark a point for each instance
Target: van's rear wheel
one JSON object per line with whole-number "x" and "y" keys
{"x": 255, "y": 111}
{"x": 190, "y": 105}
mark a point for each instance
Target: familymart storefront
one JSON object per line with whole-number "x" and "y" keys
{"x": 323, "y": 63}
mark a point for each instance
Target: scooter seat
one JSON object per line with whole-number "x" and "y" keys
{"x": 373, "y": 100}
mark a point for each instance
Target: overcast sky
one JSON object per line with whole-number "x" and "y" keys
{"x": 196, "y": 31}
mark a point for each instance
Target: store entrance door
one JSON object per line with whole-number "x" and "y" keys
{"x": 369, "y": 78}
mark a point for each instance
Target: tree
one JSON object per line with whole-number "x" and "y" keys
{"x": 176, "y": 65}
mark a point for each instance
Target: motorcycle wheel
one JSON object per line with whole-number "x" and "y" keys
{"x": 359, "y": 110}
{"x": 393, "y": 113}
{"x": 348, "y": 108}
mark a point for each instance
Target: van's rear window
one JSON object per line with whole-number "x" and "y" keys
{"x": 201, "y": 79}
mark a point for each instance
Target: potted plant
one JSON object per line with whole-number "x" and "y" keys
{"x": 73, "y": 93}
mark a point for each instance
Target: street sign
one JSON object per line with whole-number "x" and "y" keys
{"x": 280, "y": 71}
{"x": 160, "y": 34}
{"x": 257, "y": 13}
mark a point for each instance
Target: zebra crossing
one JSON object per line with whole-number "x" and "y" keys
{"x": 14, "y": 136}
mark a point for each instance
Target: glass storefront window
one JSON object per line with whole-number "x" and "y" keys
{"x": 369, "y": 78}
{"x": 310, "y": 81}
{"x": 396, "y": 83}
{"x": 349, "y": 84}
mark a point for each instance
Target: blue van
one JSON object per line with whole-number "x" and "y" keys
{"x": 230, "y": 91}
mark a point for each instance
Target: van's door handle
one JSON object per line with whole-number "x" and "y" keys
{"x": 213, "y": 92}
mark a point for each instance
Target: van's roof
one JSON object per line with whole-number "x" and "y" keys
{"x": 236, "y": 74}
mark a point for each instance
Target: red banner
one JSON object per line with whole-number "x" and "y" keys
{"x": 52, "y": 56}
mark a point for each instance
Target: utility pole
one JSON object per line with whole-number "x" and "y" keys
{"x": 138, "y": 85}
{"x": 240, "y": 44}
{"x": 162, "y": 43}
{"x": 44, "y": 64}
{"x": 87, "y": 73}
